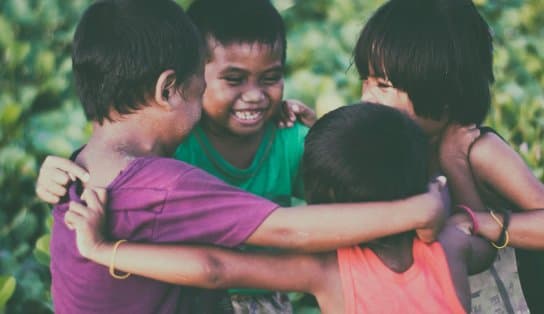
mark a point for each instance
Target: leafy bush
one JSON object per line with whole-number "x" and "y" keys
{"x": 40, "y": 114}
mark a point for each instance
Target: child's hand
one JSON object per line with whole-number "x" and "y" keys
{"x": 88, "y": 222}
{"x": 455, "y": 144}
{"x": 291, "y": 110}
{"x": 439, "y": 194}
{"x": 54, "y": 175}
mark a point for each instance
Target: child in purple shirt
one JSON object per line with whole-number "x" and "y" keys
{"x": 138, "y": 68}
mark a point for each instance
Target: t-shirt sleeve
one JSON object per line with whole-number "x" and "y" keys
{"x": 202, "y": 209}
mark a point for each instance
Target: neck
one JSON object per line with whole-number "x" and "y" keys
{"x": 129, "y": 138}
{"x": 238, "y": 150}
{"x": 395, "y": 251}
{"x": 113, "y": 145}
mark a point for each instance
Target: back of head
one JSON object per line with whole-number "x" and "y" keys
{"x": 364, "y": 152}
{"x": 239, "y": 21}
{"x": 122, "y": 46}
{"x": 438, "y": 51}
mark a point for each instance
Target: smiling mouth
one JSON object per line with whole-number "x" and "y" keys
{"x": 248, "y": 116}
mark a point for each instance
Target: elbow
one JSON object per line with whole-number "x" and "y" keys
{"x": 489, "y": 254}
{"x": 290, "y": 239}
{"x": 214, "y": 275}
{"x": 208, "y": 272}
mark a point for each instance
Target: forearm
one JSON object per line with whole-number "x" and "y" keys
{"x": 176, "y": 265}
{"x": 526, "y": 229}
{"x": 212, "y": 268}
{"x": 327, "y": 227}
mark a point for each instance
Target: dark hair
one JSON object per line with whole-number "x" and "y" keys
{"x": 438, "y": 51}
{"x": 239, "y": 21}
{"x": 122, "y": 46}
{"x": 364, "y": 152}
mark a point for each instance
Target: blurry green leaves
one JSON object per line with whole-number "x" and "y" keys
{"x": 39, "y": 115}
{"x": 7, "y": 287}
{"x": 41, "y": 251}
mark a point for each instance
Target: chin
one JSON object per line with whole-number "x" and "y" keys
{"x": 247, "y": 131}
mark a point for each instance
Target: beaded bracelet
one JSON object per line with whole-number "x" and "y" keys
{"x": 112, "y": 262}
{"x": 504, "y": 237}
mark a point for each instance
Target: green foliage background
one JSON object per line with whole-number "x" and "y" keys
{"x": 40, "y": 114}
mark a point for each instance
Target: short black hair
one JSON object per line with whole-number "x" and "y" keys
{"x": 122, "y": 46}
{"x": 438, "y": 51}
{"x": 364, "y": 152}
{"x": 239, "y": 21}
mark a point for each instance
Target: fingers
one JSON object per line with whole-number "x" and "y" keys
{"x": 304, "y": 113}
{"x": 54, "y": 176}
{"x": 286, "y": 118}
{"x": 47, "y": 196}
{"x": 66, "y": 165}
{"x": 442, "y": 181}
{"x": 95, "y": 199}
{"x": 72, "y": 219}
{"x": 80, "y": 209}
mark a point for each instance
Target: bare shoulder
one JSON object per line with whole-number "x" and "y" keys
{"x": 488, "y": 147}
{"x": 496, "y": 164}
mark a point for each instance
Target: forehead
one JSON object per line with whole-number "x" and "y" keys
{"x": 245, "y": 55}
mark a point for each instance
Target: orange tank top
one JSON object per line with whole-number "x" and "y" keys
{"x": 369, "y": 286}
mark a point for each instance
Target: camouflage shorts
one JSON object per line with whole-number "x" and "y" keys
{"x": 273, "y": 303}
{"x": 498, "y": 289}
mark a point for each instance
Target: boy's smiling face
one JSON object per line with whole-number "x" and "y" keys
{"x": 244, "y": 87}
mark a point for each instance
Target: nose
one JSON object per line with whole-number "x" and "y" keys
{"x": 253, "y": 95}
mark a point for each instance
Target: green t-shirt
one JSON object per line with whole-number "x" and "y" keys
{"x": 273, "y": 174}
{"x": 274, "y": 171}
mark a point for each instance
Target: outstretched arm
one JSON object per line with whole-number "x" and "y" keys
{"x": 199, "y": 266}
{"x": 330, "y": 226}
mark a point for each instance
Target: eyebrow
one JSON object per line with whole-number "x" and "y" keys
{"x": 278, "y": 68}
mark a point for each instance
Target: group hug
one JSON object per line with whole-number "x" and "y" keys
{"x": 181, "y": 199}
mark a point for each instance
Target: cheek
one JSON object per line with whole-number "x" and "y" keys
{"x": 217, "y": 98}
{"x": 275, "y": 95}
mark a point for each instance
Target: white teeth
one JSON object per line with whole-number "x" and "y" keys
{"x": 247, "y": 115}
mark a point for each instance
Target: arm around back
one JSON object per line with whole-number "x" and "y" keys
{"x": 329, "y": 226}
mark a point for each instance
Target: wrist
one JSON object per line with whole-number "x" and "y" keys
{"x": 488, "y": 228}
{"x": 434, "y": 209}
{"x": 101, "y": 253}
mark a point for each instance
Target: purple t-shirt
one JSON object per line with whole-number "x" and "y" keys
{"x": 153, "y": 200}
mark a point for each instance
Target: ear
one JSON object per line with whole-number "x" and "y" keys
{"x": 165, "y": 88}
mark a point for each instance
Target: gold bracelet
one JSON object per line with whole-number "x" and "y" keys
{"x": 112, "y": 262}
{"x": 506, "y": 235}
